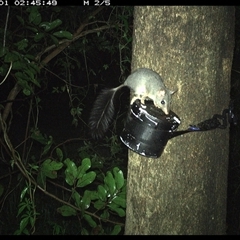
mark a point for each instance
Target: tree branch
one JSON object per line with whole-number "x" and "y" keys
{"x": 11, "y": 96}
{"x": 16, "y": 89}
{"x": 18, "y": 162}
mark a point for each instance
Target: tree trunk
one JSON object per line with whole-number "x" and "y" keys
{"x": 184, "y": 191}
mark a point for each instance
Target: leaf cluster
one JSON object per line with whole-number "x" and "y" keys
{"x": 42, "y": 51}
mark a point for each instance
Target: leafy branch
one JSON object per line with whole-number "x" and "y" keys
{"x": 58, "y": 49}
{"x": 111, "y": 194}
{"x": 31, "y": 42}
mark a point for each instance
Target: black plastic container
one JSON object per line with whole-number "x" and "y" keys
{"x": 148, "y": 129}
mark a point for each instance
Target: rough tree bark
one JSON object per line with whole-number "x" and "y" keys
{"x": 184, "y": 191}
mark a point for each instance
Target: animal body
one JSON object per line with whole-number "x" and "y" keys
{"x": 144, "y": 83}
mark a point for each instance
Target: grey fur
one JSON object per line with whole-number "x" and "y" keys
{"x": 144, "y": 83}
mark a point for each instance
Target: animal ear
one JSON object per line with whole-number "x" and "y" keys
{"x": 172, "y": 92}
{"x": 162, "y": 92}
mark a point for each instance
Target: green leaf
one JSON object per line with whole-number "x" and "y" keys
{"x": 3, "y": 51}
{"x": 41, "y": 179}
{"x": 27, "y": 92}
{"x": 32, "y": 66}
{"x": 23, "y": 193}
{"x": 102, "y": 193}
{"x": 88, "y": 196}
{"x": 17, "y": 232}
{"x": 11, "y": 57}
{"x": 48, "y": 145}
{"x": 34, "y": 16}
{"x": 67, "y": 211}
{"x": 116, "y": 230}
{"x": 70, "y": 172}
{"x": 77, "y": 198}
{"x": 25, "y": 231}
{"x": 90, "y": 221}
{"x": 49, "y": 168}
{"x": 18, "y": 65}
{"x": 63, "y": 34}
{"x": 59, "y": 154}
{"x": 21, "y": 45}
{"x": 99, "y": 204}
{"x": 122, "y": 194}
{"x": 21, "y": 76}
{"x": 24, "y": 223}
{"x": 92, "y": 194}
{"x": 38, "y": 36}
{"x": 32, "y": 222}
{"x": 33, "y": 29}
{"x": 30, "y": 57}
{"x": 54, "y": 39}
{"x": 86, "y": 200}
{"x": 20, "y": 19}
{"x": 23, "y": 80}
{"x": 38, "y": 136}
{"x": 48, "y": 26}
{"x": 105, "y": 215}
{"x": 84, "y": 231}
{"x": 51, "y": 165}
{"x": 86, "y": 179}
{"x": 120, "y": 201}
{"x": 119, "y": 178}
{"x": 34, "y": 81}
{"x": 114, "y": 207}
{"x": 110, "y": 182}
{"x": 21, "y": 206}
{"x": 33, "y": 166}
{"x": 30, "y": 72}
{"x": 4, "y": 69}
{"x": 86, "y": 164}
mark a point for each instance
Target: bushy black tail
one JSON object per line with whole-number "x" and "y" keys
{"x": 102, "y": 113}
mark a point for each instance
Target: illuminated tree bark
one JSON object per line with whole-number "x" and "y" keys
{"x": 184, "y": 191}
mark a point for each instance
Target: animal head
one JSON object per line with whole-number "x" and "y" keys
{"x": 163, "y": 100}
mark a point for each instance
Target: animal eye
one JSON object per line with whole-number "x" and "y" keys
{"x": 162, "y": 102}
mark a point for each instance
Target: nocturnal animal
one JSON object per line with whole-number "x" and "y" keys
{"x": 144, "y": 83}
